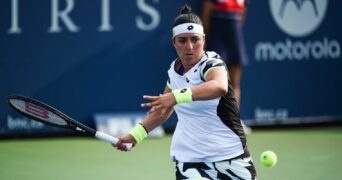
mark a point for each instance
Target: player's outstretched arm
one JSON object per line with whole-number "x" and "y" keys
{"x": 161, "y": 109}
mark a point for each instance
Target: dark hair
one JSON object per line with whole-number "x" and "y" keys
{"x": 186, "y": 16}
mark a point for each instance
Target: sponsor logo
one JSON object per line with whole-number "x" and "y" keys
{"x": 15, "y": 123}
{"x": 183, "y": 90}
{"x": 270, "y": 115}
{"x": 298, "y": 50}
{"x": 298, "y": 17}
{"x": 61, "y": 19}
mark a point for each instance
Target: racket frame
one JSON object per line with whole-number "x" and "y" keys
{"x": 70, "y": 122}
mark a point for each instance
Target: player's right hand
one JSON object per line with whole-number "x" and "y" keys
{"x": 124, "y": 141}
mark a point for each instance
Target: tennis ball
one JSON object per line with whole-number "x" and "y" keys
{"x": 268, "y": 158}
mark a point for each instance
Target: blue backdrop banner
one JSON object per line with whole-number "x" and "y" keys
{"x": 88, "y": 57}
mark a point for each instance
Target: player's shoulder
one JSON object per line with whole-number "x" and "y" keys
{"x": 212, "y": 59}
{"x": 212, "y": 55}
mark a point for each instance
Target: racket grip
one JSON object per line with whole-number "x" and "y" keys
{"x": 110, "y": 139}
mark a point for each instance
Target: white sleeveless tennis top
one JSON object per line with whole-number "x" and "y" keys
{"x": 206, "y": 131}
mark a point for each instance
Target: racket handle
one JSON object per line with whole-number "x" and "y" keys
{"x": 110, "y": 139}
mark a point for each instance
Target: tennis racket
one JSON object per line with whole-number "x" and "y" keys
{"x": 44, "y": 113}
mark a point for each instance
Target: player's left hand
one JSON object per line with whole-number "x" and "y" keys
{"x": 163, "y": 102}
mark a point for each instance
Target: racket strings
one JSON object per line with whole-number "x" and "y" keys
{"x": 38, "y": 111}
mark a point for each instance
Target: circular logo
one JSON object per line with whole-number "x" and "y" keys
{"x": 298, "y": 17}
{"x": 190, "y": 27}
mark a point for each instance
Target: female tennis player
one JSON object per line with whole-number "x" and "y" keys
{"x": 209, "y": 141}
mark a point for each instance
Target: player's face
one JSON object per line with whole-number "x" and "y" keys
{"x": 189, "y": 47}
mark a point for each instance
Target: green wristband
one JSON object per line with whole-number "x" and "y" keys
{"x": 139, "y": 133}
{"x": 183, "y": 95}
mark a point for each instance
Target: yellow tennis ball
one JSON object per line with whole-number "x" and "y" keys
{"x": 268, "y": 158}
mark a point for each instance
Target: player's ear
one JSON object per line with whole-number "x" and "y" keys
{"x": 204, "y": 43}
{"x": 173, "y": 41}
